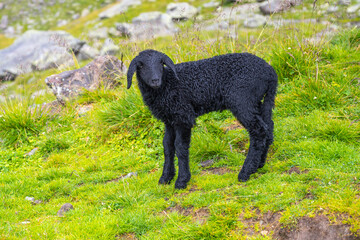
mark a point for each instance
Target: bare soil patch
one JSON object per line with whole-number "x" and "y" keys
{"x": 217, "y": 170}
{"x": 317, "y": 228}
{"x": 269, "y": 222}
{"x": 234, "y": 125}
{"x": 297, "y": 170}
{"x": 199, "y": 215}
{"x": 127, "y": 236}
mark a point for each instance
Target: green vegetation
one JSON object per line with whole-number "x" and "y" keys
{"x": 313, "y": 167}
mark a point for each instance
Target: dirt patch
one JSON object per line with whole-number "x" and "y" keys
{"x": 199, "y": 215}
{"x": 317, "y": 228}
{"x": 217, "y": 170}
{"x": 297, "y": 170}
{"x": 268, "y": 222}
{"x": 126, "y": 236}
{"x": 233, "y": 126}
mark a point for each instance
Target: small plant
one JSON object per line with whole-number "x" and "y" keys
{"x": 20, "y": 120}
{"x": 54, "y": 145}
{"x": 129, "y": 111}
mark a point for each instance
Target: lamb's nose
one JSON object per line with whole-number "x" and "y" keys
{"x": 155, "y": 81}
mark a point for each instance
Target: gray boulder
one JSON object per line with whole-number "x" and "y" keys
{"x": 181, "y": 11}
{"x": 38, "y": 50}
{"x": 344, "y": 2}
{"x": 109, "y": 48}
{"x": 4, "y": 22}
{"x": 87, "y": 52}
{"x": 98, "y": 33}
{"x": 238, "y": 12}
{"x": 148, "y": 25}
{"x": 352, "y": 9}
{"x": 211, "y": 4}
{"x": 275, "y": 6}
{"x": 332, "y": 9}
{"x": 64, "y": 209}
{"x": 255, "y": 21}
{"x": 104, "y": 71}
{"x": 222, "y": 25}
{"x": 119, "y": 8}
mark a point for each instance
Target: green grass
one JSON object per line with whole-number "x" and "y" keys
{"x": 82, "y": 159}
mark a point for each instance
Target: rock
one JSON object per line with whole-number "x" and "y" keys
{"x": 113, "y": 32}
{"x": 32, "y": 152}
{"x": 131, "y": 174}
{"x": 353, "y": 8}
{"x": 38, "y": 50}
{"x": 277, "y": 23}
{"x": 85, "y": 12}
{"x": 238, "y": 12}
{"x": 31, "y": 199}
{"x": 211, "y": 4}
{"x": 109, "y": 48}
{"x": 62, "y": 22}
{"x": 181, "y": 11}
{"x": 103, "y": 71}
{"x": 4, "y": 22}
{"x": 2, "y": 5}
{"x": 87, "y": 52}
{"x": 255, "y": 21}
{"x": 344, "y": 2}
{"x": 10, "y": 32}
{"x": 76, "y": 16}
{"x": 207, "y": 163}
{"x": 36, "y": 202}
{"x": 119, "y": 8}
{"x": 82, "y": 110}
{"x": 99, "y": 33}
{"x": 148, "y": 25}
{"x": 332, "y": 9}
{"x": 222, "y": 25}
{"x": 275, "y": 6}
{"x": 65, "y": 208}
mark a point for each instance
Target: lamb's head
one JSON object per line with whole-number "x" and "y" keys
{"x": 149, "y": 67}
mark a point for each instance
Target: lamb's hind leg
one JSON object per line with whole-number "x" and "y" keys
{"x": 258, "y": 137}
{"x": 269, "y": 141}
{"x": 169, "y": 153}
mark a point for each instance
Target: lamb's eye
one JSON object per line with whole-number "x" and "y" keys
{"x": 140, "y": 65}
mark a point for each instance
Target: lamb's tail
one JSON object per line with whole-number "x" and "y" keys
{"x": 269, "y": 99}
{"x": 269, "y": 102}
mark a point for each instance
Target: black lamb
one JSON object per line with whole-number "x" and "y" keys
{"x": 178, "y": 93}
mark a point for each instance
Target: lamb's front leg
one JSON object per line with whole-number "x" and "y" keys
{"x": 182, "y": 145}
{"x": 169, "y": 153}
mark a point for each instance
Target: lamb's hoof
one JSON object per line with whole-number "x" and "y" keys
{"x": 166, "y": 180}
{"x": 180, "y": 185}
{"x": 243, "y": 177}
{"x": 261, "y": 165}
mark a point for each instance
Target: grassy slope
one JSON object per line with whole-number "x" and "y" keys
{"x": 80, "y": 159}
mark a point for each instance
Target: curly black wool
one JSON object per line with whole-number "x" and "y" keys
{"x": 178, "y": 93}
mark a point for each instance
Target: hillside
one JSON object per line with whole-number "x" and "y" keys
{"x": 102, "y": 151}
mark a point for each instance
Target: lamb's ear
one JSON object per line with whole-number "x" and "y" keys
{"x": 131, "y": 71}
{"x": 170, "y": 64}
